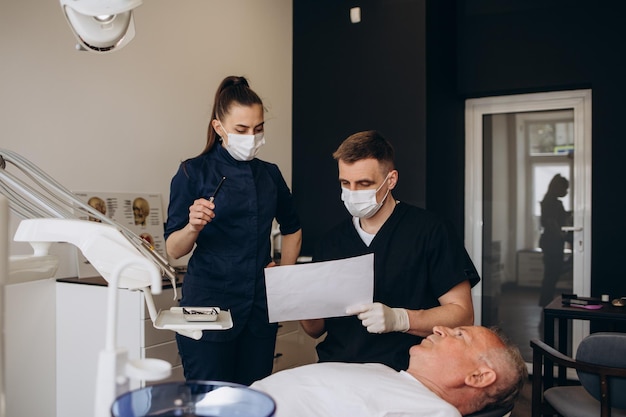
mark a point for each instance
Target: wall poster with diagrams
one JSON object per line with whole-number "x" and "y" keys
{"x": 139, "y": 212}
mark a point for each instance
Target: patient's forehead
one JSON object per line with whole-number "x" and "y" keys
{"x": 485, "y": 337}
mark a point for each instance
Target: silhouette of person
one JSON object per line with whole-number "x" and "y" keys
{"x": 552, "y": 240}
{"x": 141, "y": 209}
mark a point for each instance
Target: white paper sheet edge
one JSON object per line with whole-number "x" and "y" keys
{"x": 319, "y": 289}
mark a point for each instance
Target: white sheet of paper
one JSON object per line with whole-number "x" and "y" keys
{"x": 320, "y": 289}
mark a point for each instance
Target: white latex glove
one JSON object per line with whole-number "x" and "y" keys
{"x": 378, "y": 318}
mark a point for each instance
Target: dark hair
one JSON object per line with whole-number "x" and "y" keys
{"x": 232, "y": 90}
{"x": 558, "y": 185}
{"x": 365, "y": 145}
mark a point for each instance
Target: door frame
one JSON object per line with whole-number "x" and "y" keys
{"x": 475, "y": 109}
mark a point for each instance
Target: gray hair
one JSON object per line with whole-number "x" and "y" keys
{"x": 511, "y": 373}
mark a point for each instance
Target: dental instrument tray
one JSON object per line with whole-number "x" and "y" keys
{"x": 175, "y": 318}
{"x": 201, "y": 313}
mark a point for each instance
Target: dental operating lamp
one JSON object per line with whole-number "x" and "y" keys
{"x": 101, "y": 26}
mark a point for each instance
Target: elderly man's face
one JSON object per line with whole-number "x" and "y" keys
{"x": 452, "y": 351}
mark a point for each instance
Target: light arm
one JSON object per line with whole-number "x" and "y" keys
{"x": 456, "y": 309}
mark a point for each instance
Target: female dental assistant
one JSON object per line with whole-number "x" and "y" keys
{"x": 223, "y": 202}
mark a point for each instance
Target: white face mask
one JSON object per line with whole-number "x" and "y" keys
{"x": 362, "y": 203}
{"x": 244, "y": 147}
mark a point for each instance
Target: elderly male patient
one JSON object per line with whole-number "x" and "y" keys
{"x": 452, "y": 372}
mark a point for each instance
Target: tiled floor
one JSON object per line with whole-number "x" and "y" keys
{"x": 523, "y": 404}
{"x": 519, "y": 316}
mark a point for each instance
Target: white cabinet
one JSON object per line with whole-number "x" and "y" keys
{"x": 529, "y": 268}
{"x": 29, "y": 348}
{"x": 81, "y": 333}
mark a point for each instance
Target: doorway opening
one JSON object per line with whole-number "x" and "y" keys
{"x": 517, "y": 146}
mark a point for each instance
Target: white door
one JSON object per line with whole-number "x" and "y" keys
{"x": 516, "y": 146}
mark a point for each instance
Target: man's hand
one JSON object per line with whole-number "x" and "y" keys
{"x": 378, "y": 318}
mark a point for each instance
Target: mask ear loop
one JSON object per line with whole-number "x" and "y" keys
{"x": 383, "y": 183}
{"x": 381, "y": 186}
{"x": 389, "y": 187}
{"x": 224, "y": 129}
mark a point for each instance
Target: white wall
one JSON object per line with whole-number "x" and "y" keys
{"x": 123, "y": 121}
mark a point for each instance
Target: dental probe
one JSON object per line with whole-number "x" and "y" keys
{"x": 217, "y": 189}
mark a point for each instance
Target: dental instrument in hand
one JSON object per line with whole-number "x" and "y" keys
{"x": 212, "y": 198}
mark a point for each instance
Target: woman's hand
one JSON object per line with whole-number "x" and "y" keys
{"x": 200, "y": 214}
{"x": 182, "y": 241}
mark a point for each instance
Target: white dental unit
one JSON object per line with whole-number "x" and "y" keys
{"x": 122, "y": 258}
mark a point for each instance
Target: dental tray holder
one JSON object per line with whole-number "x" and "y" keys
{"x": 174, "y": 319}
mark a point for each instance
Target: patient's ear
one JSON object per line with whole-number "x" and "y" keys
{"x": 481, "y": 377}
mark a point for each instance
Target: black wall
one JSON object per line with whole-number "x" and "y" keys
{"x": 407, "y": 69}
{"x": 445, "y": 115}
{"x": 353, "y": 77}
{"x": 513, "y": 46}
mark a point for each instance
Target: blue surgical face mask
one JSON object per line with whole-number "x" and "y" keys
{"x": 362, "y": 203}
{"x": 243, "y": 147}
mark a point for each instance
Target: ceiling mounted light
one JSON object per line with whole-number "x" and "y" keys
{"x": 101, "y": 25}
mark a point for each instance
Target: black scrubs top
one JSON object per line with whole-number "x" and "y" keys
{"x": 417, "y": 259}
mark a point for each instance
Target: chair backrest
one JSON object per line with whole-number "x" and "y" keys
{"x": 606, "y": 349}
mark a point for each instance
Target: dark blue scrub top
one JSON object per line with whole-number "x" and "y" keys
{"x": 226, "y": 268}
